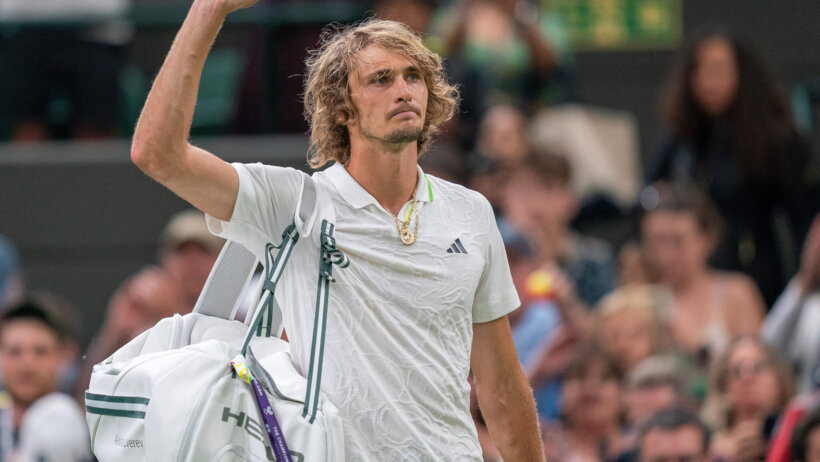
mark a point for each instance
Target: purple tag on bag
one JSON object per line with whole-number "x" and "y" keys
{"x": 275, "y": 434}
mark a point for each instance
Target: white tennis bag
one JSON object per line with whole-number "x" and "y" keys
{"x": 204, "y": 387}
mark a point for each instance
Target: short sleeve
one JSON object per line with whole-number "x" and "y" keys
{"x": 265, "y": 204}
{"x": 496, "y": 295}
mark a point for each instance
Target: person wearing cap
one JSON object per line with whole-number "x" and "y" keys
{"x": 37, "y": 423}
{"x": 187, "y": 251}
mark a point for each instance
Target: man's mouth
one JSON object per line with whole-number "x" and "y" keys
{"x": 403, "y": 111}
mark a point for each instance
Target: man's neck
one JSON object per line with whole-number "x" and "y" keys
{"x": 389, "y": 176}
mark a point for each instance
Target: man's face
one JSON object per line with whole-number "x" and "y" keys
{"x": 29, "y": 358}
{"x": 390, "y": 97}
{"x": 683, "y": 444}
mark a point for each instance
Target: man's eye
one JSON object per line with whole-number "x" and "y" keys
{"x": 380, "y": 79}
{"x": 413, "y": 77}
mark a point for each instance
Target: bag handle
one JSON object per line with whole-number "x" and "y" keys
{"x": 330, "y": 255}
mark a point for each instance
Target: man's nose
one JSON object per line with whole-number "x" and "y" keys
{"x": 402, "y": 89}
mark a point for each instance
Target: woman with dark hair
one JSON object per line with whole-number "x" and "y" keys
{"x": 733, "y": 133}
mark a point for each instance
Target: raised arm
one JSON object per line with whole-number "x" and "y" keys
{"x": 504, "y": 395}
{"x": 160, "y": 146}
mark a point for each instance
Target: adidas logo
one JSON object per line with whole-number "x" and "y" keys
{"x": 457, "y": 247}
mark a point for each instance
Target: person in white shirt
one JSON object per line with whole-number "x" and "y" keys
{"x": 428, "y": 288}
{"x": 37, "y": 424}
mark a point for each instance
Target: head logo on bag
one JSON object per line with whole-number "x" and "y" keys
{"x": 256, "y": 431}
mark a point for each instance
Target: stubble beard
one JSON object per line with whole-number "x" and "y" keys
{"x": 403, "y": 136}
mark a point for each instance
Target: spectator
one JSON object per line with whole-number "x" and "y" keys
{"x": 792, "y": 324}
{"x": 679, "y": 231}
{"x": 805, "y": 444}
{"x": 591, "y": 407}
{"x": 658, "y": 382}
{"x": 632, "y": 324}
{"x": 732, "y": 132}
{"x": 539, "y": 202}
{"x": 750, "y": 387}
{"x": 673, "y": 434}
{"x": 41, "y": 424}
{"x": 187, "y": 252}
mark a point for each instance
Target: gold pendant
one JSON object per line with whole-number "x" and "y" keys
{"x": 407, "y": 237}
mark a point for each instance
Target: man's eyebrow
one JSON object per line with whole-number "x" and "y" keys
{"x": 379, "y": 73}
{"x": 390, "y": 70}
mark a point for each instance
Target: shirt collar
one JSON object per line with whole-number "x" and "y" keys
{"x": 356, "y": 196}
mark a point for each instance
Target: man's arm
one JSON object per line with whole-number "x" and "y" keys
{"x": 160, "y": 146}
{"x": 504, "y": 395}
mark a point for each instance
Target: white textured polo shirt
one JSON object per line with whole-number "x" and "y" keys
{"x": 399, "y": 329}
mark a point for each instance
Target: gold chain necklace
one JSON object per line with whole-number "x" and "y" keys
{"x": 406, "y": 236}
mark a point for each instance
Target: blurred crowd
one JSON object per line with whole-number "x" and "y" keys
{"x": 671, "y": 315}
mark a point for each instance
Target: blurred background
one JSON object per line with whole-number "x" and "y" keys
{"x": 572, "y": 112}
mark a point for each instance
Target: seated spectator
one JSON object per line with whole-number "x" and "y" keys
{"x": 40, "y": 424}
{"x": 188, "y": 251}
{"x": 540, "y": 203}
{"x": 792, "y": 324}
{"x": 749, "y": 388}
{"x": 658, "y": 382}
{"x": 679, "y": 231}
{"x": 591, "y": 408}
{"x": 632, "y": 324}
{"x": 673, "y": 435}
{"x": 805, "y": 444}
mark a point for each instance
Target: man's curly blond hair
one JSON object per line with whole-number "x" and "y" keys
{"x": 328, "y": 106}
